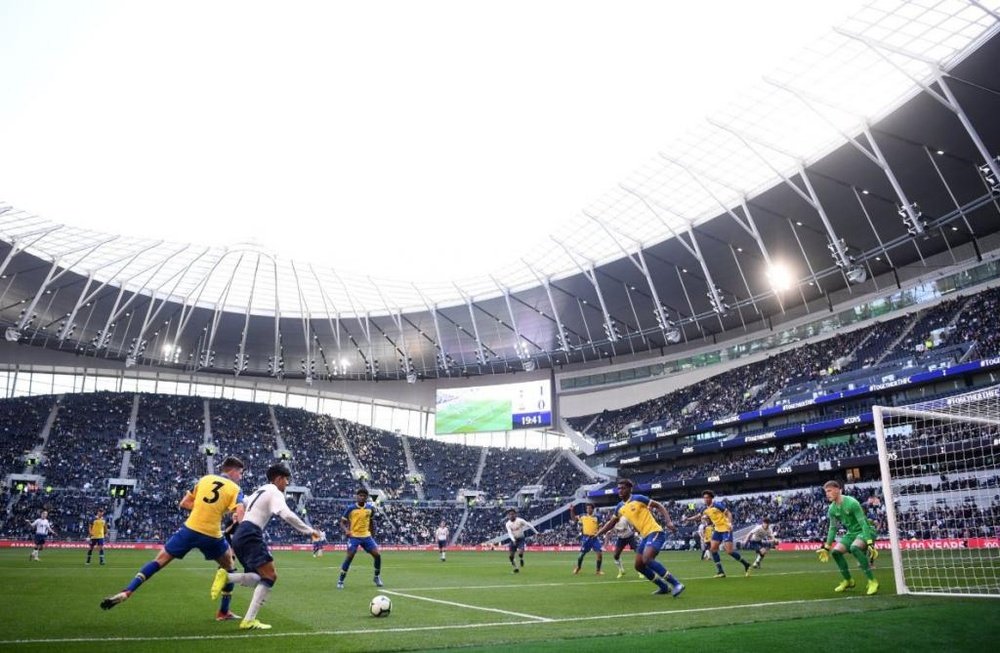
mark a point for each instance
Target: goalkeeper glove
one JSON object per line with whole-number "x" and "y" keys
{"x": 872, "y": 551}
{"x": 823, "y": 553}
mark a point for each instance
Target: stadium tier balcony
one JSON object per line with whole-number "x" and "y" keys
{"x": 977, "y": 323}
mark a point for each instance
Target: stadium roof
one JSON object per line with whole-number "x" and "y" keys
{"x": 821, "y": 170}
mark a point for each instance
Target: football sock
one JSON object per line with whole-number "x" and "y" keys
{"x": 101, "y": 555}
{"x": 511, "y": 556}
{"x": 378, "y": 566}
{"x": 90, "y": 552}
{"x": 838, "y": 557}
{"x": 671, "y": 579}
{"x": 579, "y": 561}
{"x": 618, "y": 563}
{"x": 227, "y": 594}
{"x": 260, "y": 595}
{"x": 862, "y": 557}
{"x": 656, "y": 567}
{"x": 736, "y": 556}
{"x": 718, "y": 561}
{"x": 599, "y": 561}
{"x": 144, "y": 574}
{"x": 248, "y": 579}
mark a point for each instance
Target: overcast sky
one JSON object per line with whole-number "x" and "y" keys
{"x": 363, "y": 135}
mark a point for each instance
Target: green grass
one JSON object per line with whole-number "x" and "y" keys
{"x": 474, "y": 602}
{"x": 473, "y": 416}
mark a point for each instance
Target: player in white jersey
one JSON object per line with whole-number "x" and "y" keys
{"x": 250, "y": 548}
{"x": 441, "y": 534}
{"x": 43, "y": 528}
{"x": 761, "y": 537}
{"x": 624, "y": 535}
{"x": 515, "y": 531}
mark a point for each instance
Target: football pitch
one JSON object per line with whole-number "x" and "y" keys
{"x": 473, "y": 415}
{"x": 473, "y": 602}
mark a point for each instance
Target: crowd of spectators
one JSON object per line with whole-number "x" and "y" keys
{"x": 170, "y": 431}
{"x": 977, "y": 323}
{"x": 82, "y": 449}
{"x": 562, "y": 478}
{"x": 447, "y": 468}
{"x": 928, "y": 320}
{"x": 737, "y": 390}
{"x": 20, "y": 428}
{"x": 508, "y": 470}
{"x": 318, "y": 457}
{"x": 244, "y": 430}
{"x": 381, "y": 455}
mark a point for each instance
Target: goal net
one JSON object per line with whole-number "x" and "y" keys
{"x": 940, "y": 468}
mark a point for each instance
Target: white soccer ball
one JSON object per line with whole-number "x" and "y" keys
{"x": 380, "y": 606}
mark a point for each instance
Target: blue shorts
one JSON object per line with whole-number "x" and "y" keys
{"x": 249, "y": 546}
{"x": 442, "y": 543}
{"x": 630, "y": 542}
{"x": 655, "y": 540}
{"x": 97, "y": 541}
{"x": 366, "y": 543}
{"x": 186, "y": 539}
{"x": 40, "y": 539}
{"x": 589, "y": 543}
{"x": 516, "y": 545}
{"x": 722, "y": 537}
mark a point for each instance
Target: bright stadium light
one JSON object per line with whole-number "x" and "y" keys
{"x": 780, "y": 277}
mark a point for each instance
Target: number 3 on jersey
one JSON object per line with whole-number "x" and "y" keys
{"x": 216, "y": 486}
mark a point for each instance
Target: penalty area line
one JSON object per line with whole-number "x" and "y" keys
{"x": 416, "y": 629}
{"x": 468, "y": 606}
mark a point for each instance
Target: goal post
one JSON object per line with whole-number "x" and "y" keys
{"x": 940, "y": 473}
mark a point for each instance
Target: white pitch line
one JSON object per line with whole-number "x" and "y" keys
{"x": 414, "y": 629}
{"x": 587, "y": 582}
{"x": 467, "y": 605}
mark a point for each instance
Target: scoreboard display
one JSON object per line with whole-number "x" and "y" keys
{"x": 491, "y": 408}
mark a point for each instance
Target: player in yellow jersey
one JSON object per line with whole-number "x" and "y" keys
{"x": 722, "y": 524}
{"x": 356, "y": 522}
{"x": 589, "y": 525}
{"x": 97, "y": 529}
{"x": 637, "y": 509}
{"x": 213, "y": 496}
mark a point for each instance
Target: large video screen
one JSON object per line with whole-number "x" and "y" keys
{"x": 488, "y": 408}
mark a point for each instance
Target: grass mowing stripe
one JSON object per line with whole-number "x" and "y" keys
{"x": 466, "y": 605}
{"x": 368, "y": 631}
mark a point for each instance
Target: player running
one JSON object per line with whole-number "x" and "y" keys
{"x": 213, "y": 496}
{"x": 589, "y": 525}
{"x": 252, "y": 551}
{"x": 357, "y": 525}
{"x": 722, "y": 534}
{"x": 637, "y": 509}
{"x": 847, "y": 511}
{"x": 515, "y": 531}
{"x": 43, "y": 528}
{"x": 97, "y": 530}
{"x": 760, "y": 538}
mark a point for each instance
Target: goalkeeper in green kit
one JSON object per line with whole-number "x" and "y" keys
{"x": 847, "y": 511}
